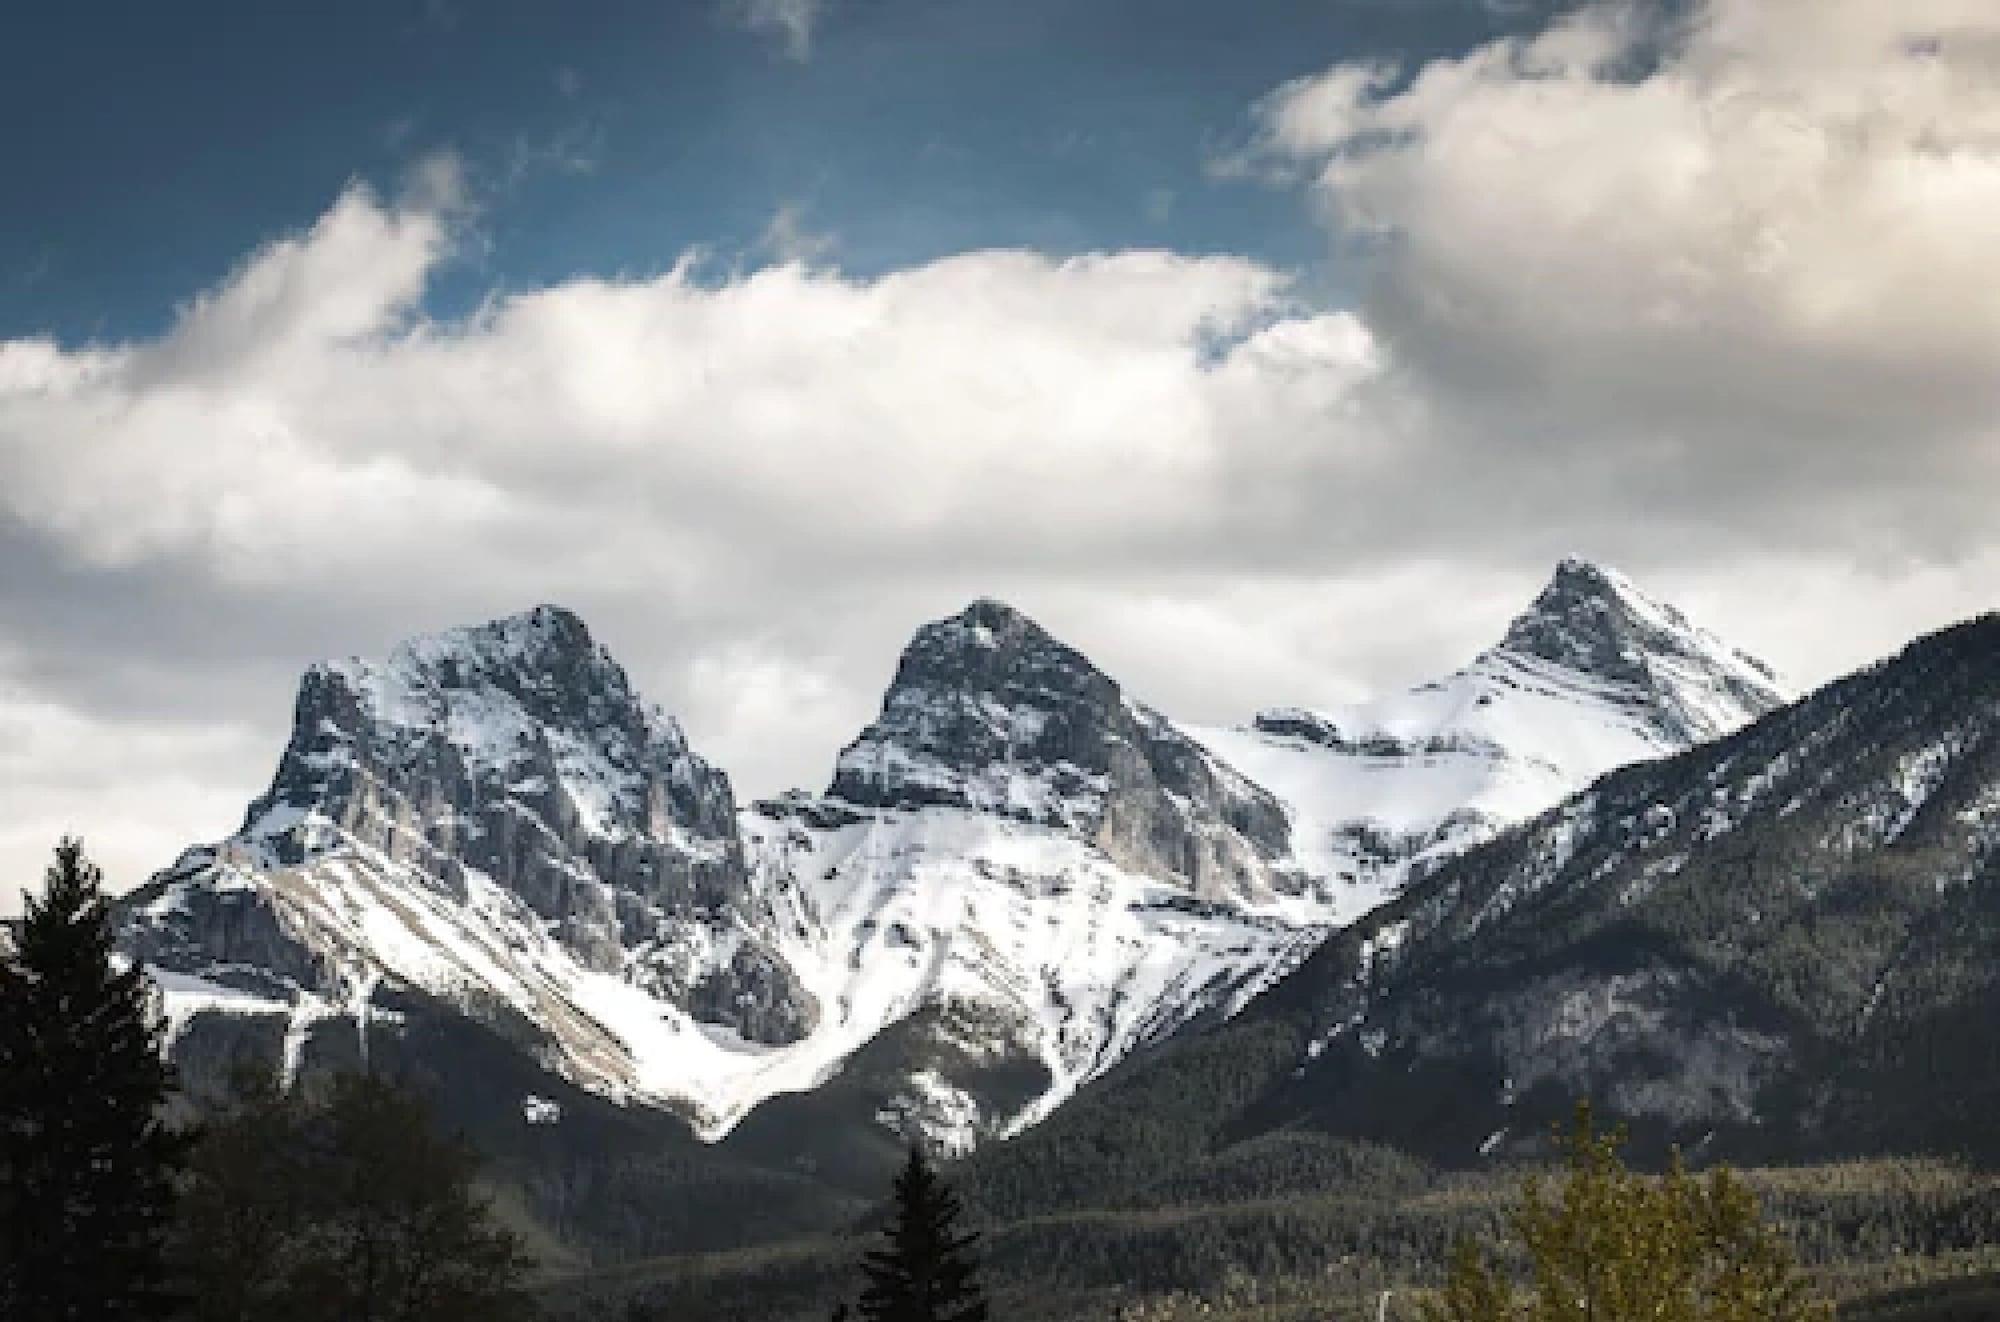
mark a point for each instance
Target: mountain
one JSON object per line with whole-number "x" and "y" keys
{"x": 495, "y": 817}
{"x": 1593, "y": 675}
{"x": 488, "y": 857}
{"x": 1774, "y": 945}
{"x": 1026, "y": 874}
{"x": 989, "y": 714}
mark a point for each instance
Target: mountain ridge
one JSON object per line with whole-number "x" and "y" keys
{"x": 1772, "y": 946}
{"x": 1019, "y": 878}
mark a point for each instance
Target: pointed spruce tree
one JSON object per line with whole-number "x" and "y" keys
{"x": 926, "y": 1271}
{"x": 87, "y": 1161}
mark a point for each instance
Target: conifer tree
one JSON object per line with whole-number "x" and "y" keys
{"x": 926, "y": 1271}
{"x": 352, "y": 1207}
{"x": 87, "y": 1161}
{"x": 247, "y": 1200}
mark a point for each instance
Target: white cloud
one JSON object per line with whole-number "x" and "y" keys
{"x": 790, "y": 22}
{"x": 1770, "y": 257}
{"x": 137, "y": 792}
{"x": 788, "y": 238}
{"x": 1733, "y": 325}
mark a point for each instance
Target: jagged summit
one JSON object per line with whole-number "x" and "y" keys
{"x": 542, "y": 642}
{"x": 974, "y": 692}
{"x": 527, "y": 708}
{"x": 494, "y": 816}
{"x": 1595, "y": 622}
{"x": 989, "y": 712}
{"x": 1592, "y": 675}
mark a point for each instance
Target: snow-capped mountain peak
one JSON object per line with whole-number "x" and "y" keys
{"x": 1595, "y": 622}
{"x": 1019, "y": 874}
{"x": 493, "y": 818}
{"x": 989, "y": 712}
{"x": 1594, "y": 674}
{"x": 529, "y": 706}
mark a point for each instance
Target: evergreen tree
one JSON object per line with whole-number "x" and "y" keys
{"x": 247, "y": 1202}
{"x": 926, "y": 1272}
{"x": 87, "y": 1161}
{"x": 353, "y": 1208}
{"x": 1615, "y": 1246}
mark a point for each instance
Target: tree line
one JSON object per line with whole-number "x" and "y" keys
{"x": 336, "y": 1202}
{"x": 339, "y": 1199}
{"x": 339, "y": 1203}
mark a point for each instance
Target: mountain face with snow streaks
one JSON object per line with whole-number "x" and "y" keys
{"x": 1018, "y": 876}
{"x": 990, "y": 714}
{"x": 1031, "y": 873}
{"x": 1777, "y": 945}
{"x": 1781, "y": 939}
{"x": 494, "y": 816}
{"x": 1592, "y": 676}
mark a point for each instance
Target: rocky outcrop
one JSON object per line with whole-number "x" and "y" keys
{"x": 1593, "y": 621}
{"x": 989, "y": 713}
{"x": 509, "y": 765}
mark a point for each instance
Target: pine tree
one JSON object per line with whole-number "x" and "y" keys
{"x": 926, "y": 1272}
{"x": 247, "y": 1201}
{"x": 87, "y": 1161}
{"x": 349, "y": 1208}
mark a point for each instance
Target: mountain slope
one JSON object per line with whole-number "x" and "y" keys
{"x": 1018, "y": 877}
{"x": 1778, "y": 943}
{"x": 1593, "y": 675}
{"x": 492, "y": 817}
{"x": 494, "y": 821}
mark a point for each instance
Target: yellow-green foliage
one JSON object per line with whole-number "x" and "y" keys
{"x": 1611, "y": 1245}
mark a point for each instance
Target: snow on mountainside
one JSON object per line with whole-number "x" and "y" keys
{"x": 1050, "y": 867}
{"x": 1016, "y": 944}
{"x": 1017, "y": 876}
{"x": 494, "y": 817}
{"x": 1778, "y": 943}
{"x": 1592, "y": 676}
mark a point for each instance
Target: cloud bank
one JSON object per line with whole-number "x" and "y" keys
{"x": 1713, "y": 301}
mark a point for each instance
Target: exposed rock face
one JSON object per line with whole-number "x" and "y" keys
{"x": 1690, "y": 685}
{"x": 1593, "y": 675}
{"x": 1782, "y": 937}
{"x": 989, "y": 713}
{"x": 517, "y": 748}
{"x": 509, "y": 766}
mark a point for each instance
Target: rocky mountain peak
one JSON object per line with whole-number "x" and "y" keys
{"x": 523, "y": 709}
{"x": 978, "y": 695}
{"x": 540, "y": 663}
{"x": 512, "y": 755}
{"x": 1596, "y": 622}
{"x": 990, "y": 647}
{"x": 544, "y": 640}
{"x": 991, "y": 713}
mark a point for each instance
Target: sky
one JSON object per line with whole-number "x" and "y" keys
{"x": 1270, "y": 353}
